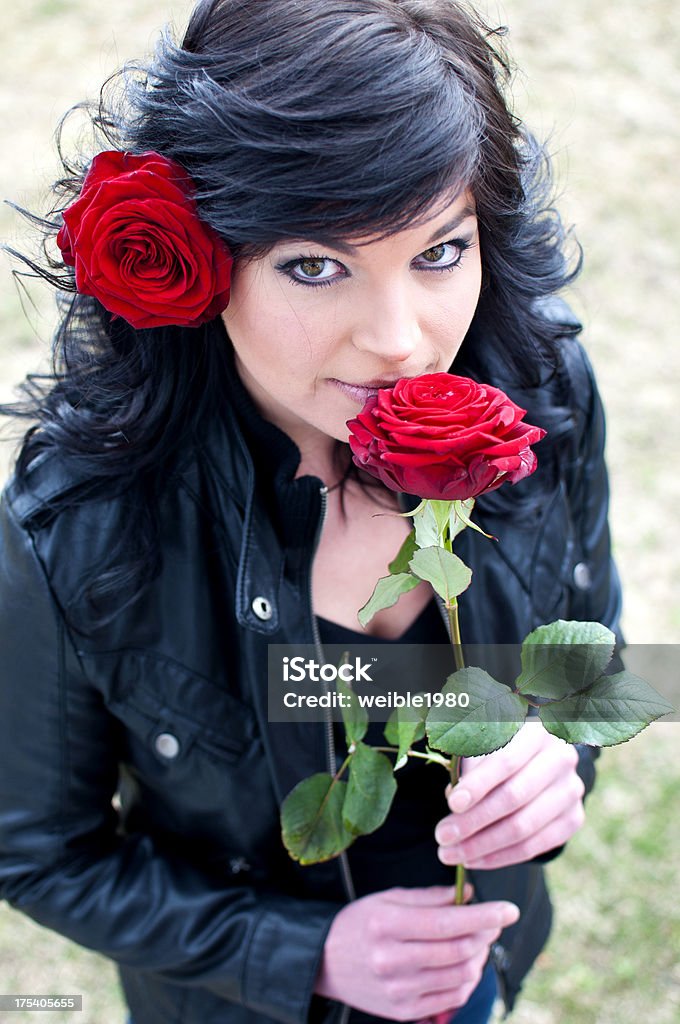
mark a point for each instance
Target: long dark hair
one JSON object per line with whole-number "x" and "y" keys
{"x": 330, "y": 118}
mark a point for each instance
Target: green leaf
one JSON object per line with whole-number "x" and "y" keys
{"x": 460, "y": 518}
{"x": 562, "y": 658}
{"x": 446, "y": 572}
{"x": 441, "y": 510}
{"x": 613, "y": 710}
{"x": 387, "y": 592}
{"x": 403, "y": 728}
{"x": 354, "y": 717}
{"x": 370, "y": 790}
{"x": 414, "y": 511}
{"x": 491, "y": 718}
{"x": 427, "y": 530}
{"x": 400, "y": 562}
{"x": 312, "y": 826}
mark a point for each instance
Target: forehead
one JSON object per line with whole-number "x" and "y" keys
{"x": 446, "y": 212}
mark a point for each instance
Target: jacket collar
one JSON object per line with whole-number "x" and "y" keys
{"x": 254, "y": 462}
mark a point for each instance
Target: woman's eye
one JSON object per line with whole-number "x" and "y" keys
{"x": 444, "y": 256}
{"x": 314, "y": 269}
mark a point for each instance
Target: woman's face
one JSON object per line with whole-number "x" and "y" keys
{"x": 318, "y": 327}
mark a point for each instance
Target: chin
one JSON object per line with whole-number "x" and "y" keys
{"x": 339, "y": 434}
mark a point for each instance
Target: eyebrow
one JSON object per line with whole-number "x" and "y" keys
{"x": 451, "y": 225}
{"x": 350, "y": 250}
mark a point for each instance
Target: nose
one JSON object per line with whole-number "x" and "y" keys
{"x": 386, "y": 322}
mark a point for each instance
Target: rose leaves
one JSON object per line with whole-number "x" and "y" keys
{"x": 490, "y": 720}
{"x": 562, "y": 678}
{"x": 323, "y": 815}
{"x": 423, "y": 558}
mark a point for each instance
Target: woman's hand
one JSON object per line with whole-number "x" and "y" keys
{"x": 513, "y": 804}
{"x": 406, "y": 954}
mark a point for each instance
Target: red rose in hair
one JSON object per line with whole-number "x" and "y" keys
{"x": 443, "y": 437}
{"x": 138, "y": 245}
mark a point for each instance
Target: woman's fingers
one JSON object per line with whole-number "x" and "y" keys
{"x": 510, "y": 794}
{"x": 429, "y": 924}
{"x": 482, "y": 774}
{"x": 521, "y": 801}
{"x": 425, "y": 896}
{"x": 448, "y": 952}
{"x": 406, "y": 954}
{"x": 555, "y": 834}
{"x": 547, "y": 821}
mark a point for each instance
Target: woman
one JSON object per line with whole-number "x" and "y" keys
{"x": 187, "y": 499}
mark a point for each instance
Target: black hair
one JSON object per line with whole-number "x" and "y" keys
{"x": 329, "y": 118}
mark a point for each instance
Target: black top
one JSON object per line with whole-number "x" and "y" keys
{"x": 403, "y": 851}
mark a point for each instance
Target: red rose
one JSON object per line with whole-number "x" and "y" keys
{"x": 443, "y": 437}
{"x": 138, "y": 245}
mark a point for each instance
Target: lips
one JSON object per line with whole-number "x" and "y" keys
{"x": 362, "y": 392}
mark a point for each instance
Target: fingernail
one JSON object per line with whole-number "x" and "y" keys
{"x": 510, "y": 913}
{"x": 447, "y": 835}
{"x": 460, "y": 799}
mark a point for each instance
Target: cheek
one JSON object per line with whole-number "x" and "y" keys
{"x": 472, "y": 270}
{"x": 263, "y": 316}
{"x": 277, "y": 349}
{"x": 450, "y": 318}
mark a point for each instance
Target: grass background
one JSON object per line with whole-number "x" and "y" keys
{"x": 602, "y": 82}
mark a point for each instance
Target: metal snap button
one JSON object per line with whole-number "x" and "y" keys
{"x": 262, "y": 608}
{"x": 238, "y": 864}
{"x": 166, "y": 745}
{"x": 581, "y": 576}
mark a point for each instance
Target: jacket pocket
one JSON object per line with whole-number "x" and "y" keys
{"x": 172, "y": 710}
{"x": 192, "y": 758}
{"x": 168, "y": 712}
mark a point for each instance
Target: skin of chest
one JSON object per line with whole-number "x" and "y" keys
{"x": 353, "y": 553}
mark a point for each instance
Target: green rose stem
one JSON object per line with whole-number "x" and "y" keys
{"x": 452, "y": 612}
{"x": 454, "y": 771}
{"x": 455, "y": 763}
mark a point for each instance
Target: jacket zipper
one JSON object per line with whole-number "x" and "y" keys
{"x": 345, "y": 871}
{"x": 330, "y": 738}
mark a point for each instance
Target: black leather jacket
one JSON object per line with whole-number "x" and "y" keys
{"x": 183, "y": 879}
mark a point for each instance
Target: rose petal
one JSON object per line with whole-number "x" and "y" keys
{"x": 443, "y": 436}
{"x": 137, "y": 244}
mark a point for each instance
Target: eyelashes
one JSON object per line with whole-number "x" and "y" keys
{"x": 317, "y": 267}
{"x": 460, "y": 244}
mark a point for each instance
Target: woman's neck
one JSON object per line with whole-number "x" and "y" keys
{"x": 325, "y": 458}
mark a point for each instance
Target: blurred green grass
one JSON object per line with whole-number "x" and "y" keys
{"x": 603, "y": 82}
{"x": 614, "y": 954}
